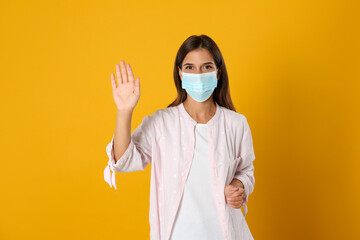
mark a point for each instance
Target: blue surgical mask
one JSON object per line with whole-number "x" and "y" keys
{"x": 199, "y": 86}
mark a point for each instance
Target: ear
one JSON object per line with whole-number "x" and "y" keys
{"x": 179, "y": 73}
{"x": 219, "y": 72}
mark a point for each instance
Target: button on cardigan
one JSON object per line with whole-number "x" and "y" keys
{"x": 166, "y": 139}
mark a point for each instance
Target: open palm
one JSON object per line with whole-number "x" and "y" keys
{"x": 127, "y": 93}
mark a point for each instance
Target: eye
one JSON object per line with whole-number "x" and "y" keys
{"x": 187, "y": 67}
{"x": 208, "y": 66}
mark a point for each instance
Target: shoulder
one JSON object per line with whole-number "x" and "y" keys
{"x": 232, "y": 115}
{"x": 166, "y": 113}
{"x": 162, "y": 115}
{"x": 236, "y": 122}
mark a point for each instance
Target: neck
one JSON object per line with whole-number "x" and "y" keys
{"x": 201, "y": 112}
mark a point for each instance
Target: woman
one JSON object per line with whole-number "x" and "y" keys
{"x": 200, "y": 148}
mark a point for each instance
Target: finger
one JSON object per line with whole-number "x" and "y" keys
{"x": 236, "y": 206}
{"x": 113, "y": 82}
{"x": 229, "y": 189}
{"x": 118, "y": 74}
{"x": 231, "y": 199}
{"x": 241, "y": 196}
{"x": 233, "y": 190}
{"x": 130, "y": 73}
{"x": 234, "y": 199}
{"x": 239, "y": 190}
{"x": 123, "y": 72}
{"x": 236, "y": 194}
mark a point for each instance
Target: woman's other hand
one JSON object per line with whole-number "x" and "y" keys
{"x": 127, "y": 93}
{"x": 234, "y": 196}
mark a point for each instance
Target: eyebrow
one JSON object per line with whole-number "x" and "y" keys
{"x": 203, "y": 63}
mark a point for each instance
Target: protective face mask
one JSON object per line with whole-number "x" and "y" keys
{"x": 200, "y": 86}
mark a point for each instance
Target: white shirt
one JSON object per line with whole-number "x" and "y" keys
{"x": 197, "y": 218}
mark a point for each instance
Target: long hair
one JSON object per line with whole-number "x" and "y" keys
{"x": 221, "y": 94}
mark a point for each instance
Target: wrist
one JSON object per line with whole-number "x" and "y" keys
{"x": 237, "y": 183}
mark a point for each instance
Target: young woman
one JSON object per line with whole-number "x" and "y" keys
{"x": 200, "y": 149}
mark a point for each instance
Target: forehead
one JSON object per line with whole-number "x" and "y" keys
{"x": 198, "y": 56}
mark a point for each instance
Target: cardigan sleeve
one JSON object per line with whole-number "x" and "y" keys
{"x": 137, "y": 155}
{"x": 245, "y": 169}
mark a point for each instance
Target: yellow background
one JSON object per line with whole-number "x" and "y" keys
{"x": 294, "y": 73}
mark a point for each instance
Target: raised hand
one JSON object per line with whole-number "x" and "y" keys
{"x": 127, "y": 93}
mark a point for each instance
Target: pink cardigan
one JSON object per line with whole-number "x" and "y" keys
{"x": 166, "y": 140}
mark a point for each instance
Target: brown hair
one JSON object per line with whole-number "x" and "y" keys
{"x": 221, "y": 94}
